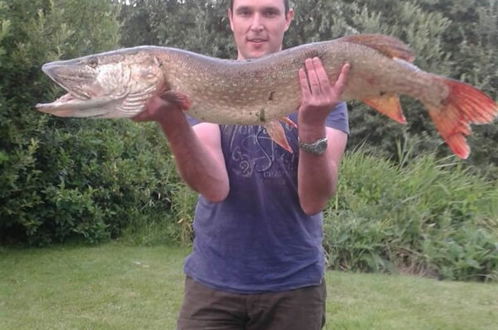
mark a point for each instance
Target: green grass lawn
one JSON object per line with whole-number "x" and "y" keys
{"x": 114, "y": 286}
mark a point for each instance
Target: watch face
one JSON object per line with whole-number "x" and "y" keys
{"x": 322, "y": 146}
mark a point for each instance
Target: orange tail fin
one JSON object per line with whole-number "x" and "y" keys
{"x": 464, "y": 105}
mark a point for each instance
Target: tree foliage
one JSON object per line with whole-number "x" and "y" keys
{"x": 456, "y": 39}
{"x": 199, "y": 26}
{"x": 62, "y": 178}
{"x": 67, "y": 177}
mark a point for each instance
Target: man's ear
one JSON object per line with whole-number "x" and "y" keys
{"x": 230, "y": 17}
{"x": 288, "y": 18}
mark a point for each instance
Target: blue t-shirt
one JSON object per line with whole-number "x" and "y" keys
{"x": 259, "y": 239}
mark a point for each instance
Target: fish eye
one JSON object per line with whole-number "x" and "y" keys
{"x": 93, "y": 62}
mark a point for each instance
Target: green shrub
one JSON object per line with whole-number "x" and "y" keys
{"x": 68, "y": 178}
{"x": 431, "y": 217}
{"x": 172, "y": 227}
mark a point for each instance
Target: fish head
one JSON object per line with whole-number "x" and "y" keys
{"x": 107, "y": 85}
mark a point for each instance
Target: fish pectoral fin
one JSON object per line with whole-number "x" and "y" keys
{"x": 177, "y": 98}
{"x": 277, "y": 133}
{"x": 288, "y": 121}
{"x": 388, "y": 105}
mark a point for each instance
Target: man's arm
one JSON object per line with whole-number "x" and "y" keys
{"x": 197, "y": 149}
{"x": 317, "y": 174}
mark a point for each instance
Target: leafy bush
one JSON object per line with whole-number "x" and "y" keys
{"x": 431, "y": 217}
{"x": 174, "y": 227}
{"x": 65, "y": 178}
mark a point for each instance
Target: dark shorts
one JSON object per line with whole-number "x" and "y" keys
{"x": 208, "y": 309}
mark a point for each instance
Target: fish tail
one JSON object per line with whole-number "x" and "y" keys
{"x": 463, "y": 106}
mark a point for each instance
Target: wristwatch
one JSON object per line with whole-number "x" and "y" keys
{"x": 317, "y": 147}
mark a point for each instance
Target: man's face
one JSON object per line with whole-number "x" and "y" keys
{"x": 258, "y": 26}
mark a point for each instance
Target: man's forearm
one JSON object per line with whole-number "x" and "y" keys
{"x": 317, "y": 174}
{"x": 200, "y": 166}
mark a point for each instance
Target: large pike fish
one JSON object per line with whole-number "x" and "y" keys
{"x": 262, "y": 91}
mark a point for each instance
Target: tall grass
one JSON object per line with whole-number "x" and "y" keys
{"x": 430, "y": 217}
{"x": 166, "y": 228}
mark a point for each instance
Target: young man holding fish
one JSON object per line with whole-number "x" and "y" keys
{"x": 257, "y": 260}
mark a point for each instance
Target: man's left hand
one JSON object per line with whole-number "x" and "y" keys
{"x": 318, "y": 95}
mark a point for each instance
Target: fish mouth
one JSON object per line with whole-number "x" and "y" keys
{"x": 70, "y": 105}
{"x": 76, "y": 100}
{"x": 82, "y": 105}
{"x": 62, "y": 74}
{"x": 67, "y": 100}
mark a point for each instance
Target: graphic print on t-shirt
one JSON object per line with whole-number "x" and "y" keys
{"x": 251, "y": 151}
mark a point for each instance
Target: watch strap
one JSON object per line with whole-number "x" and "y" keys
{"x": 316, "y": 147}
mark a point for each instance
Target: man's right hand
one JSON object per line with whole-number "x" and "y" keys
{"x": 197, "y": 149}
{"x": 164, "y": 104}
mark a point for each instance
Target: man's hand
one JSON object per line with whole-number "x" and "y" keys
{"x": 318, "y": 95}
{"x": 163, "y": 105}
{"x": 317, "y": 175}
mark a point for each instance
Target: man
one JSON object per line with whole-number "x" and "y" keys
{"x": 257, "y": 260}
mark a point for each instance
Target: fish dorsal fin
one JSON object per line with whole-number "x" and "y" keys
{"x": 389, "y": 46}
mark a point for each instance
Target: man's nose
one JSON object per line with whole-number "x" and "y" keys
{"x": 257, "y": 23}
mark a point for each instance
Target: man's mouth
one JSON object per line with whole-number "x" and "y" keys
{"x": 257, "y": 40}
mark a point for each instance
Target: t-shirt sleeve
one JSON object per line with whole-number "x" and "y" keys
{"x": 338, "y": 118}
{"x": 192, "y": 121}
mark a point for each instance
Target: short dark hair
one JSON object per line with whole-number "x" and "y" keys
{"x": 286, "y": 5}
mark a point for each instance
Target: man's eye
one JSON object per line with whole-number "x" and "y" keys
{"x": 271, "y": 13}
